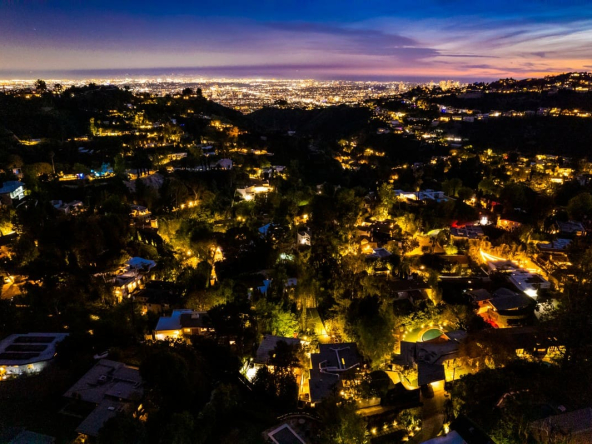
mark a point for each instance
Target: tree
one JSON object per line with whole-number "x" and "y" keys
{"x": 580, "y": 206}
{"x": 451, "y": 186}
{"x": 487, "y": 186}
{"x": 180, "y": 429}
{"x": 386, "y": 200}
{"x": 119, "y": 165}
{"x": 286, "y": 355}
{"x": 464, "y": 193}
{"x": 40, "y": 85}
{"x": 170, "y": 377}
{"x": 275, "y": 319}
{"x": 122, "y": 429}
{"x": 279, "y": 384}
{"x": 371, "y": 322}
{"x": 341, "y": 423}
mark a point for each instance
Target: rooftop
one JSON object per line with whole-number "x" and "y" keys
{"x": 10, "y": 186}
{"x": 577, "y": 424}
{"x": 173, "y": 322}
{"x": 23, "y": 349}
{"x": 268, "y": 344}
{"x": 504, "y": 299}
{"x": 108, "y": 379}
{"x": 336, "y": 357}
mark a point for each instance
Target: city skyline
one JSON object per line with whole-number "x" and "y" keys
{"x": 422, "y": 40}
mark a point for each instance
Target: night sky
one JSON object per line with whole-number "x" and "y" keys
{"x": 388, "y": 39}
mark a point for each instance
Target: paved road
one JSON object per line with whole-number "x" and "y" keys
{"x": 433, "y": 414}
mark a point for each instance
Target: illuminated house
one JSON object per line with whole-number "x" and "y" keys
{"x": 181, "y": 323}
{"x": 332, "y": 361}
{"x": 132, "y": 276}
{"x": 304, "y": 238}
{"x": 424, "y": 196}
{"x": 11, "y": 190}
{"x": 27, "y": 353}
{"x": 139, "y": 211}
{"x": 570, "y": 228}
{"x": 525, "y": 281}
{"x": 508, "y": 224}
{"x": 505, "y": 308}
{"x": 265, "y": 352}
{"x": 249, "y": 192}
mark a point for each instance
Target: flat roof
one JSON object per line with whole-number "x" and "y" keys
{"x": 29, "y": 348}
{"x": 107, "y": 379}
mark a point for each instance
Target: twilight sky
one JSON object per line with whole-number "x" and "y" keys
{"x": 388, "y": 39}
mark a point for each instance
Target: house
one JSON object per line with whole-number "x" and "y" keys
{"x": 265, "y": 352}
{"x": 250, "y": 191}
{"x": 303, "y": 238}
{"x": 525, "y": 281}
{"x": 140, "y": 264}
{"x": 528, "y": 283}
{"x": 176, "y": 156}
{"x": 11, "y": 190}
{"x": 208, "y": 150}
{"x": 29, "y": 353}
{"x": 429, "y": 356}
{"x": 182, "y": 323}
{"x": 268, "y": 345}
{"x": 271, "y": 231}
{"x": 154, "y": 300}
{"x": 506, "y": 308}
{"x": 411, "y": 289}
{"x": 467, "y": 232}
{"x": 74, "y": 207}
{"x": 558, "y": 245}
{"x": 111, "y": 388}
{"x": 126, "y": 283}
{"x": 570, "y": 228}
{"x": 328, "y": 365}
{"x": 224, "y": 164}
{"x": 573, "y": 427}
{"x": 131, "y": 276}
{"x": 422, "y": 196}
{"x": 479, "y": 295}
{"x": 137, "y": 211}
{"x": 379, "y": 253}
{"x": 508, "y": 223}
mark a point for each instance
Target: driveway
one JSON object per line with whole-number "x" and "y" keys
{"x": 433, "y": 414}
